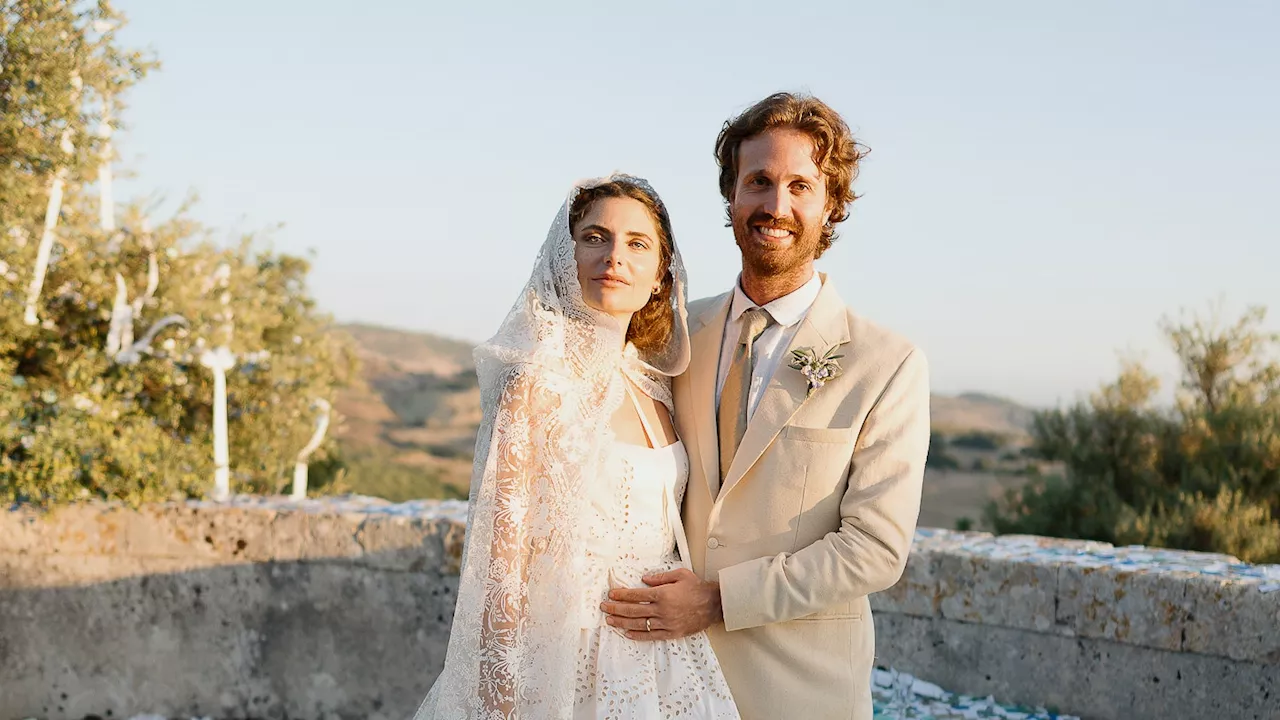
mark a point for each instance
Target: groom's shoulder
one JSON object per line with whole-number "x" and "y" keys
{"x": 873, "y": 339}
{"x": 702, "y": 305}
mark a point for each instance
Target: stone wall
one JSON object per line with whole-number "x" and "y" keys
{"x": 229, "y": 612}
{"x": 342, "y": 610}
{"x": 1100, "y": 632}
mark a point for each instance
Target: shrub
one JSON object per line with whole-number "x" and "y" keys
{"x": 1203, "y": 475}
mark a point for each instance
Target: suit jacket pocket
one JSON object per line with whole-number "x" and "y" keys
{"x": 829, "y": 617}
{"x": 839, "y": 611}
{"x": 817, "y": 435}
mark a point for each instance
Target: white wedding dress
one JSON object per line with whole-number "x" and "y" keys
{"x": 560, "y": 512}
{"x": 632, "y": 525}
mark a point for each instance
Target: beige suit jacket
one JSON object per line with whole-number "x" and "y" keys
{"x": 818, "y": 509}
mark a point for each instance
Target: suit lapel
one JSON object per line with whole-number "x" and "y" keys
{"x": 825, "y": 325}
{"x": 705, "y": 343}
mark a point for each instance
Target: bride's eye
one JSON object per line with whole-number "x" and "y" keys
{"x": 639, "y": 244}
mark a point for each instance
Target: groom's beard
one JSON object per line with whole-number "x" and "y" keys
{"x": 765, "y": 261}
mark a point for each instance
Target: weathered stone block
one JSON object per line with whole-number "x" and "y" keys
{"x": 1138, "y": 608}
{"x": 1234, "y": 619}
{"x": 88, "y": 528}
{"x": 400, "y": 543}
{"x": 1092, "y": 678}
{"x": 289, "y": 534}
{"x": 21, "y": 532}
{"x": 333, "y": 537}
{"x": 916, "y": 592}
{"x": 237, "y": 533}
{"x": 1004, "y": 593}
{"x": 168, "y": 530}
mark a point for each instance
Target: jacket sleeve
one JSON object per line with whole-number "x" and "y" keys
{"x": 878, "y": 512}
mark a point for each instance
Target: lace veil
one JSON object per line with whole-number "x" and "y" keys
{"x": 550, "y": 381}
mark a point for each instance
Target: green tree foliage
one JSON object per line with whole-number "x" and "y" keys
{"x": 77, "y": 421}
{"x": 1203, "y": 475}
{"x": 938, "y": 457}
{"x": 979, "y": 440}
{"x": 45, "y": 47}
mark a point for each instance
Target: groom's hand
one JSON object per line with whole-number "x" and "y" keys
{"x": 676, "y": 603}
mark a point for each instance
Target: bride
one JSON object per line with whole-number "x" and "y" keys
{"x": 577, "y": 481}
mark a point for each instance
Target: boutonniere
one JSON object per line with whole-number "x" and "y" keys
{"x": 817, "y": 369}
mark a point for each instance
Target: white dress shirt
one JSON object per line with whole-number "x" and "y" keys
{"x": 769, "y": 349}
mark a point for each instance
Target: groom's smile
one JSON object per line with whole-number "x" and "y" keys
{"x": 774, "y": 232}
{"x": 771, "y": 232}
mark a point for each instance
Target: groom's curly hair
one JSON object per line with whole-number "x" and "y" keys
{"x": 652, "y": 325}
{"x": 835, "y": 151}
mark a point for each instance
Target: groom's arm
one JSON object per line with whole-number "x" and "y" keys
{"x": 878, "y": 517}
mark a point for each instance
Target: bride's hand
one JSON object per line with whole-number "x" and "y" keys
{"x": 676, "y": 603}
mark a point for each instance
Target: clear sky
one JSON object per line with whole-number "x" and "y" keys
{"x": 1047, "y": 180}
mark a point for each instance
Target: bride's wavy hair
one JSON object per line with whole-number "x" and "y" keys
{"x": 652, "y": 325}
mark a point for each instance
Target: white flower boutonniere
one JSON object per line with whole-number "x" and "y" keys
{"x": 817, "y": 369}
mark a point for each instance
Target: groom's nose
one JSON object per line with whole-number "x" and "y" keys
{"x": 778, "y": 202}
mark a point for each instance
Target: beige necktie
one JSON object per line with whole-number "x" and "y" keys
{"x": 737, "y": 388}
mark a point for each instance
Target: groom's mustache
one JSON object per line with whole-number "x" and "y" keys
{"x": 768, "y": 221}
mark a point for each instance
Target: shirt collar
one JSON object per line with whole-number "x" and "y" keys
{"x": 786, "y": 310}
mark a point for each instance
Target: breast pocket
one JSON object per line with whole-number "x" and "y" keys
{"x": 817, "y": 435}
{"x": 820, "y": 451}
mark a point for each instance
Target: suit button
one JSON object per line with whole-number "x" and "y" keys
{"x": 713, "y": 543}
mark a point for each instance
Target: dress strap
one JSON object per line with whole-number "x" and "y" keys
{"x": 649, "y": 434}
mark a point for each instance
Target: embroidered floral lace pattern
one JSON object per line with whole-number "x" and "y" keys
{"x": 550, "y": 380}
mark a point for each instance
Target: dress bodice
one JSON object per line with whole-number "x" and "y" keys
{"x": 633, "y": 517}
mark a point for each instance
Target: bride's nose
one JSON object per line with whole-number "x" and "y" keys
{"x": 615, "y": 256}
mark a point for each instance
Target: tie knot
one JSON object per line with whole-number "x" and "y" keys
{"x": 754, "y": 321}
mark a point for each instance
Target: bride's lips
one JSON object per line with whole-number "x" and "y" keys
{"x": 611, "y": 281}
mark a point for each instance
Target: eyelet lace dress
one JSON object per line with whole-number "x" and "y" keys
{"x": 632, "y": 526}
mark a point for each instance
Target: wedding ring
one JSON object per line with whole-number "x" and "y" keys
{"x": 648, "y": 625}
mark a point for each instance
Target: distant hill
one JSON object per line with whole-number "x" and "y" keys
{"x": 978, "y": 411}
{"x": 409, "y": 428}
{"x": 409, "y": 351}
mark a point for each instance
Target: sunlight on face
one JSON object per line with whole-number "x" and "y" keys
{"x": 618, "y": 254}
{"x": 779, "y": 203}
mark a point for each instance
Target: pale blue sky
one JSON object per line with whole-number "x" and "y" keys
{"x": 1046, "y": 179}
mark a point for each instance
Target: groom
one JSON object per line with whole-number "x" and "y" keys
{"x": 806, "y": 467}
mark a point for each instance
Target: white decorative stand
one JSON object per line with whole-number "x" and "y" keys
{"x": 300, "y": 469}
{"x": 120, "y": 345}
{"x": 51, "y": 213}
{"x": 219, "y": 361}
{"x": 131, "y": 354}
